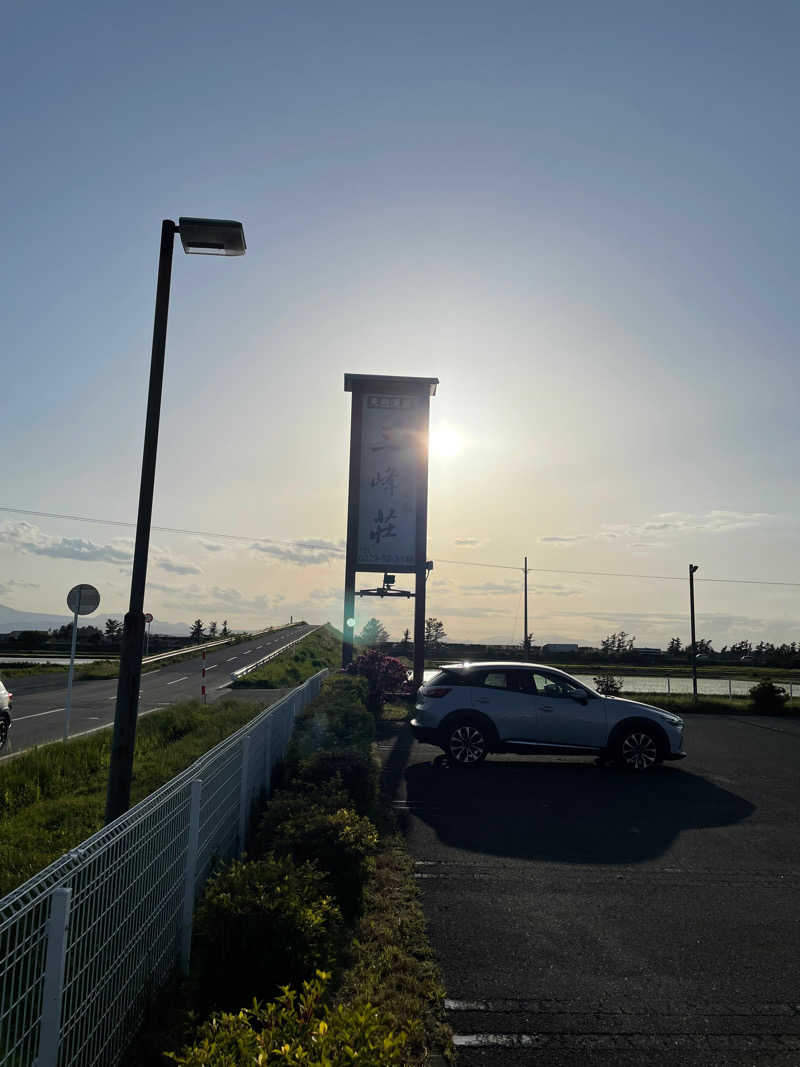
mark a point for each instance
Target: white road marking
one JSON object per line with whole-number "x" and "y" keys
{"x": 232, "y": 657}
{"x": 37, "y": 715}
{"x": 213, "y": 667}
{"x": 258, "y": 647}
{"x": 178, "y": 680}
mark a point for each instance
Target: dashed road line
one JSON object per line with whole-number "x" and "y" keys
{"x": 37, "y": 715}
{"x": 178, "y": 680}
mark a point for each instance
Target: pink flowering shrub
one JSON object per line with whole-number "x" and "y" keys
{"x": 385, "y": 676}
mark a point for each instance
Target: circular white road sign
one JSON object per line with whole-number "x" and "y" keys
{"x": 83, "y": 599}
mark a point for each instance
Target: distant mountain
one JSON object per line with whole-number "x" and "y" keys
{"x": 11, "y": 619}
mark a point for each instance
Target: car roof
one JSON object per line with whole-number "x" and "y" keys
{"x": 471, "y": 664}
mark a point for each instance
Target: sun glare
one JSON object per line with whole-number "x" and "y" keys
{"x": 446, "y": 442}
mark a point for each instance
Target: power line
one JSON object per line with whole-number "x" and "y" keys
{"x": 340, "y": 551}
{"x": 620, "y": 574}
{"x": 170, "y": 529}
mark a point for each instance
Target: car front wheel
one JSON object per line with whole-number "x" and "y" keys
{"x": 467, "y": 744}
{"x": 637, "y": 749}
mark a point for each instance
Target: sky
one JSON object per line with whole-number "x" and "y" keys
{"x": 582, "y": 218}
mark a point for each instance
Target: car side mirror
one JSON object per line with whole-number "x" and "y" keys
{"x": 580, "y": 698}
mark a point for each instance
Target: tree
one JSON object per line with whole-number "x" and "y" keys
{"x": 224, "y": 631}
{"x": 113, "y": 629}
{"x": 212, "y": 629}
{"x": 703, "y": 646}
{"x": 674, "y": 648}
{"x": 405, "y": 644}
{"x": 434, "y": 634}
{"x": 197, "y": 631}
{"x": 374, "y": 633}
{"x": 613, "y": 644}
{"x": 527, "y": 643}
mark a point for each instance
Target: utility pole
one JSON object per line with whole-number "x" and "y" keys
{"x": 692, "y": 568}
{"x": 525, "y": 645}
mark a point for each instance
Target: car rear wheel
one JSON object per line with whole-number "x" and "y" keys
{"x": 637, "y": 749}
{"x": 467, "y": 744}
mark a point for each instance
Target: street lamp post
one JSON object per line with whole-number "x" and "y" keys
{"x": 210, "y": 237}
{"x": 692, "y": 568}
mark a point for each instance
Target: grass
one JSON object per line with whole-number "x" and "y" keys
{"x": 683, "y": 704}
{"x": 53, "y": 797}
{"x": 323, "y": 648}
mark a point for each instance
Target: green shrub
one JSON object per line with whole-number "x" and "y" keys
{"x": 608, "y": 684}
{"x": 768, "y": 698}
{"x": 262, "y": 924}
{"x": 340, "y": 843}
{"x": 354, "y": 768}
{"x": 297, "y": 1029}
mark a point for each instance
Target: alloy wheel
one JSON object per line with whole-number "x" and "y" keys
{"x": 639, "y": 751}
{"x": 467, "y": 744}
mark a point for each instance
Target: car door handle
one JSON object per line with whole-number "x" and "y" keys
{"x": 546, "y": 707}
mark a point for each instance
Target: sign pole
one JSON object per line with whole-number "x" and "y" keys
{"x": 81, "y": 600}
{"x": 71, "y": 671}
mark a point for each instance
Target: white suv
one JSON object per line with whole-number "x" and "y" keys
{"x": 470, "y": 709}
{"x": 5, "y": 714}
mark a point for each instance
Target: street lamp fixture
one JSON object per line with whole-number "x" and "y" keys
{"x": 212, "y": 237}
{"x": 205, "y": 236}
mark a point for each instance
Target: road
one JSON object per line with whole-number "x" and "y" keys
{"x": 40, "y": 700}
{"x": 582, "y": 916}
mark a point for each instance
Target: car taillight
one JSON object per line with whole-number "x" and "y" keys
{"x": 439, "y": 691}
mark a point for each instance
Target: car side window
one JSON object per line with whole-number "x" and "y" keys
{"x": 547, "y": 686}
{"x": 496, "y": 680}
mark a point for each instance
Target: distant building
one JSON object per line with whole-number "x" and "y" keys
{"x": 560, "y": 648}
{"x": 648, "y": 651}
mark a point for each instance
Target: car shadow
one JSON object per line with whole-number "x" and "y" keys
{"x": 563, "y": 810}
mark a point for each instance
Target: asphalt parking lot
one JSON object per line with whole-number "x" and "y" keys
{"x": 587, "y": 916}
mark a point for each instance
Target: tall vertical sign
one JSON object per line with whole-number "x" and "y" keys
{"x": 387, "y": 512}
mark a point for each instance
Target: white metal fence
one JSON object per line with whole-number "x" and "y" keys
{"x": 86, "y": 943}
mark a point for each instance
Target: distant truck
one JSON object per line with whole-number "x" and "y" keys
{"x": 559, "y": 648}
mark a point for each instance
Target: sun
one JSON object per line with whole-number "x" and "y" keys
{"x": 445, "y": 442}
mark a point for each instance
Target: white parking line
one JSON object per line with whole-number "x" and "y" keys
{"x": 228, "y": 660}
{"x": 37, "y": 715}
{"x": 213, "y": 667}
{"x": 178, "y": 680}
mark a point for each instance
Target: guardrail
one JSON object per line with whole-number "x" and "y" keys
{"x": 86, "y": 943}
{"x": 236, "y": 675}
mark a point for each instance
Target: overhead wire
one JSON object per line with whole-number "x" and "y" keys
{"x": 301, "y": 542}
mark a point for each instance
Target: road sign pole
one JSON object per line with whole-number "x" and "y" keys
{"x": 71, "y": 673}
{"x": 81, "y": 600}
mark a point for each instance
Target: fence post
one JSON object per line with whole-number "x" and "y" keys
{"x": 190, "y": 874}
{"x": 52, "y": 994}
{"x": 244, "y": 793}
{"x": 668, "y": 689}
{"x": 268, "y": 754}
{"x": 730, "y": 689}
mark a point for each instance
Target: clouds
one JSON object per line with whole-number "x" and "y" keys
{"x": 214, "y": 599}
{"x": 26, "y": 537}
{"x": 31, "y": 540}
{"x": 670, "y": 524}
{"x": 15, "y": 584}
{"x": 470, "y": 542}
{"x": 303, "y": 552}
